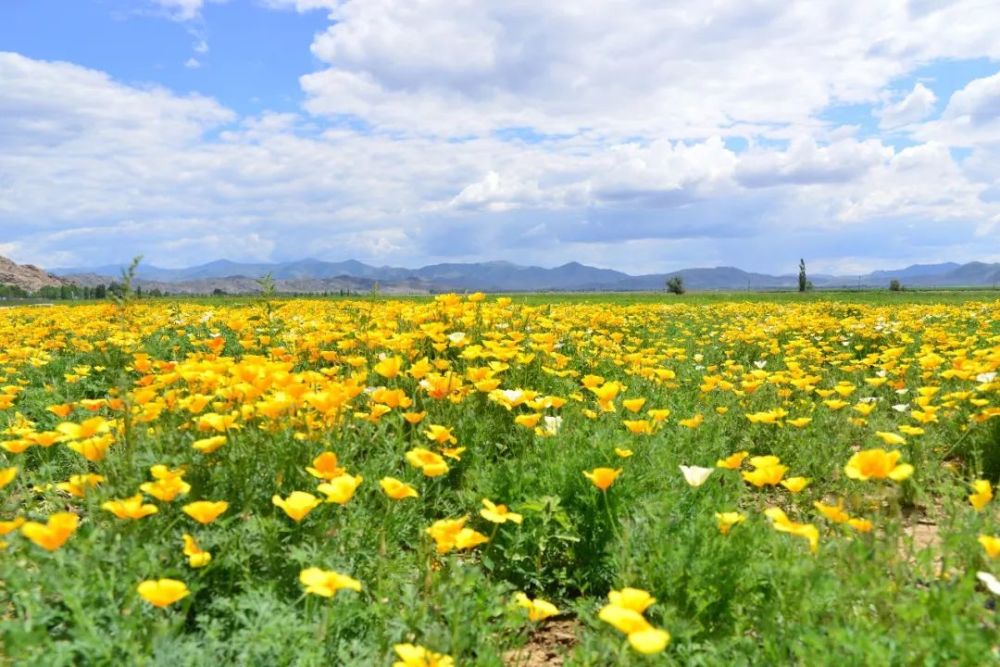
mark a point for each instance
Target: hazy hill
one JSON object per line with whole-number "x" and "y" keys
{"x": 314, "y": 275}
{"x": 27, "y": 276}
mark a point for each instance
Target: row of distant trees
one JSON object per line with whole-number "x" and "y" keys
{"x": 675, "y": 284}
{"x": 73, "y": 292}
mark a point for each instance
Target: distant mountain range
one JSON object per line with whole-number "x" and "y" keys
{"x": 313, "y": 275}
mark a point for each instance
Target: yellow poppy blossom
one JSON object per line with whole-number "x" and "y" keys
{"x": 163, "y": 592}
{"x": 129, "y": 508}
{"x": 54, "y": 532}
{"x": 877, "y": 464}
{"x": 326, "y": 583}
{"x": 603, "y": 478}
{"x": 538, "y": 609}
{"x": 340, "y": 489}
{"x": 205, "y": 511}
{"x": 297, "y": 505}
{"x": 396, "y": 489}
{"x": 499, "y": 513}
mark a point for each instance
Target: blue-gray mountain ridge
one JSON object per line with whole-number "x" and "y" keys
{"x": 312, "y": 274}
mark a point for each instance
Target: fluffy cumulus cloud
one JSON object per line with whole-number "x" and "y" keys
{"x": 917, "y": 105}
{"x": 638, "y": 134}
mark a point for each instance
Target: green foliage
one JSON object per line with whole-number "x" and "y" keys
{"x": 675, "y": 285}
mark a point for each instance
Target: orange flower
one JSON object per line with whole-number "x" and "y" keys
{"x": 877, "y": 464}
{"x": 205, "y": 511}
{"x": 325, "y": 466}
{"x": 603, "y": 478}
{"x": 54, "y": 533}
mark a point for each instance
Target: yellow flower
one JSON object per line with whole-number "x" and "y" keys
{"x": 209, "y": 445}
{"x": 53, "y": 533}
{"x": 635, "y": 599}
{"x": 642, "y": 636}
{"x": 602, "y": 478}
{"x": 454, "y": 453}
{"x": 440, "y": 434}
{"x": 538, "y": 609}
{"x": 10, "y": 526}
{"x": 166, "y": 489}
{"x": 197, "y": 557}
{"x": 693, "y": 422}
{"x": 417, "y": 656}
{"x": 163, "y": 592}
{"x": 623, "y": 453}
{"x": 93, "y": 449}
{"x": 129, "y": 508}
{"x": 529, "y": 420}
{"x": 78, "y": 484}
{"x": 498, "y": 513}
{"x": 638, "y": 426}
{"x": 326, "y": 582}
{"x": 633, "y": 404}
{"x": 340, "y": 489}
{"x": 982, "y": 494}
{"x": 623, "y": 619}
{"x": 890, "y": 438}
{"x": 430, "y": 463}
{"x": 389, "y": 367}
{"x": 414, "y": 417}
{"x": 297, "y": 505}
{"x": 7, "y": 475}
{"x": 205, "y": 511}
{"x": 861, "y": 525}
{"x": 781, "y": 523}
{"x": 649, "y": 641}
{"x": 991, "y": 544}
{"x": 795, "y": 484}
{"x": 834, "y": 513}
{"x": 325, "y": 466}
{"x": 877, "y": 464}
{"x": 396, "y": 489}
{"x": 799, "y": 422}
{"x": 726, "y": 520}
{"x": 767, "y": 471}
{"x": 451, "y": 534}
{"x": 733, "y": 461}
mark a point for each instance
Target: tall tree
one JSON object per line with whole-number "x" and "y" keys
{"x": 803, "y": 281}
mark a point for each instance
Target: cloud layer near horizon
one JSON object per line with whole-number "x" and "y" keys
{"x": 633, "y": 135}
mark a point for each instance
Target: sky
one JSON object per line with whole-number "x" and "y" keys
{"x": 640, "y": 135}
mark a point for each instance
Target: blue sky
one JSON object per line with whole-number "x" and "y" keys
{"x": 636, "y": 135}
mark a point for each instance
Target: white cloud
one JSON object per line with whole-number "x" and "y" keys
{"x": 683, "y": 69}
{"x": 192, "y": 63}
{"x": 972, "y": 116}
{"x": 805, "y": 163}
{"x": 916, "y": 106}
{"x": 602, "y": 131}
{"x": 181, "y": 10}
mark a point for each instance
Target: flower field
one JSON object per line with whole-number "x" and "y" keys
{"x": 445, "y": 481}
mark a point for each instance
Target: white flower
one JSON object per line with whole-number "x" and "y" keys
{"x": 991, "y": 582}
{"x": 696, "y": 475}
{"x": 512, "y": 395}
{"x": 456, "y": 336}
{"x": 760, "y": 364}
{"x": 901, "y": 407}
{"x": 552, "y": 424}
{"x": 984, "y": 378}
